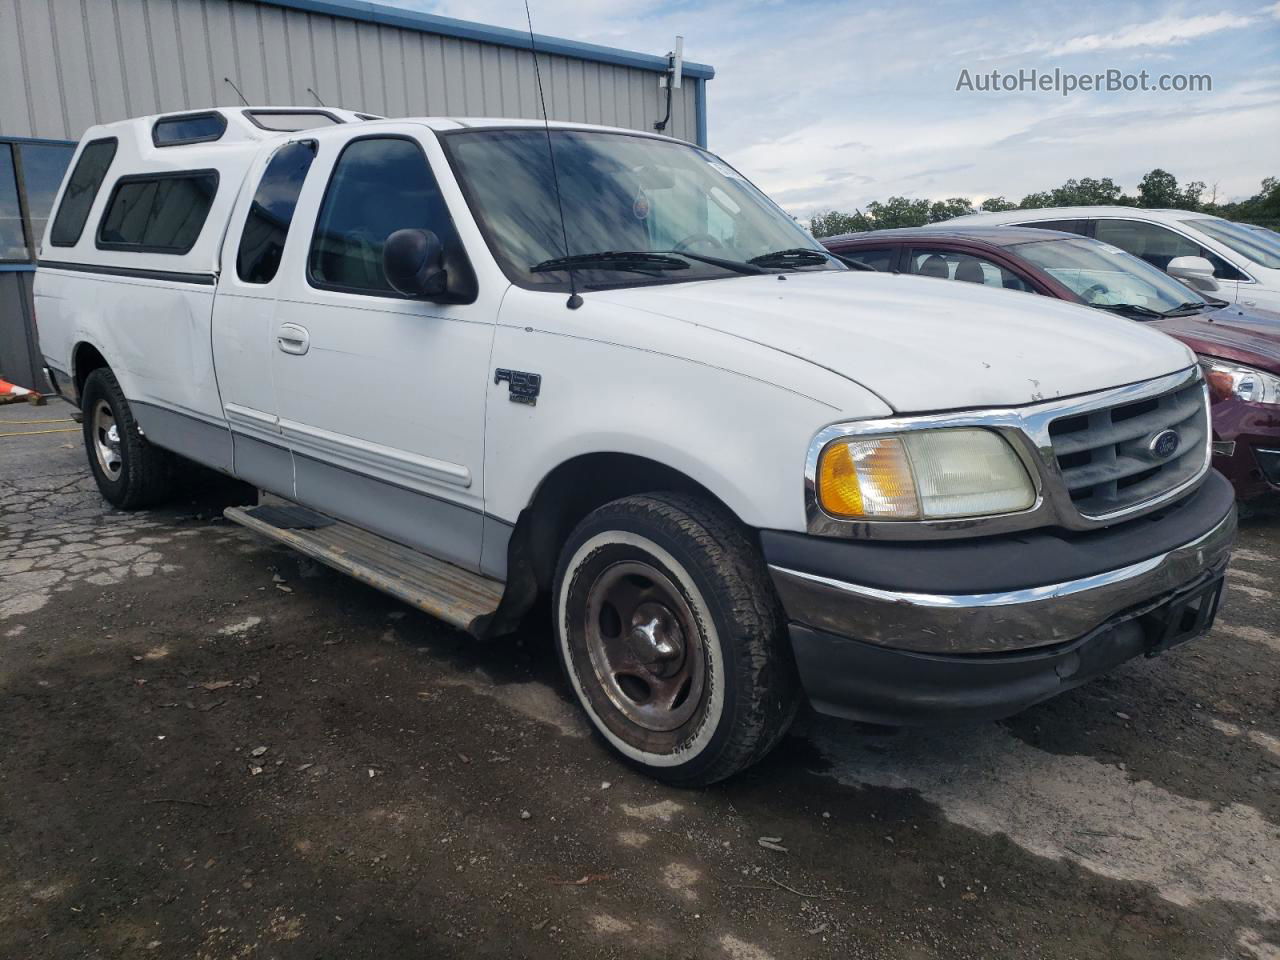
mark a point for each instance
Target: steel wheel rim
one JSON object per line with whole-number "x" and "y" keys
{"x": 106, "y": 441}
{"x": 645, "y": 647}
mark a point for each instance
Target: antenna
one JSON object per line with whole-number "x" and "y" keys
{"x": 237, "y": 90}
{"x": 574, "y": 301}
{"x": 317, "y": 96}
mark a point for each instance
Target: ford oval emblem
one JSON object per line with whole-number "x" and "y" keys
{"x": 1164, "y": 444}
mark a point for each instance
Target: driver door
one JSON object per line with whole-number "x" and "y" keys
{"x": 381, "y": 398}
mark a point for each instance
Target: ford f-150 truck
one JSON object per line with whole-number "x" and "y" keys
{"x": 471, "y": 362}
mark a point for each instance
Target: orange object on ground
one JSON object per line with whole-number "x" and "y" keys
{"x": 11, "y": 393}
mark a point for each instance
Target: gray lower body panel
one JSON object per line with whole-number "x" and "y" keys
{"x": 197, "y": 439}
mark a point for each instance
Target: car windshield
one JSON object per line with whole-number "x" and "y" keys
{"x": 1105, "y": 276}
{"x": 633, "y": 207}
{"x": 1260, "y": 246}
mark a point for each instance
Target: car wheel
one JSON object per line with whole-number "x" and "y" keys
{"x": 130, "y": 472}
{"x": 673, "y": 639}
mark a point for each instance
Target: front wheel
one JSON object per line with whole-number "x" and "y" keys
{"x": 672, "y": 638}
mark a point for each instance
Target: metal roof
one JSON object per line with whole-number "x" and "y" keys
{"x": 502, "y": 36}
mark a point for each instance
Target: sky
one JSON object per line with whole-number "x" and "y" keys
{"x": 830, "y": 105}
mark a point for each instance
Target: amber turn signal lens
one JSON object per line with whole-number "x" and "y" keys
{"x": 867, "y": 479}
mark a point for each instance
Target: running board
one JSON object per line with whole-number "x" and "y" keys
{"x": 461, "y": 598}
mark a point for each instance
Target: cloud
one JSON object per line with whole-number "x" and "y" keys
{"x": 826, "y": 104}
{"x": 1165, "y": 32}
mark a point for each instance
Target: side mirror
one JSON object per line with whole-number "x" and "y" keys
{"x": 1195, "y": 272}
{"x": 413, "y": 261}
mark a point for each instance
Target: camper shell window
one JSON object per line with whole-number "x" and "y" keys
{"x": 82, "y": 190}
{"x": 291, "y": 121}
{"x": 158, "y": 213}
{"x": 188, "y": 128}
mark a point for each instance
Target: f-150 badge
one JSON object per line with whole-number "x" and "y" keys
{"x": 523, "y": 387}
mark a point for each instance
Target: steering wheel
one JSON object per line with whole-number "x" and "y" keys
{"x": 1087, "y": 295}
{"x": 693, "y": 238}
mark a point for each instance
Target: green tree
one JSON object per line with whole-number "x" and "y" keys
{"x": 1159, "y": 188}
{"x": 1033, "y": 201}
{"x": 941, "y": 210}
{"x": 833, "y": 222}
{"x": 997, "y": 205}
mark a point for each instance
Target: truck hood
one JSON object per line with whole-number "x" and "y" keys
{"x": 922, "y": 344}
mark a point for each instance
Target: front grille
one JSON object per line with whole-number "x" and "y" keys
{"x": 1107, "y": 459}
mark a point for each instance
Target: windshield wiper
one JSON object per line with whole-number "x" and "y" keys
{"x": 737, "y": 266}
{"x": 1134, "y": 308}
{"x": 635, "y": 261}
{"x": 792, "y": 257}
{"x": 1194, "y": 306}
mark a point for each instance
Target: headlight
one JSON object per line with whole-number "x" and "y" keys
{"x": 922, "y": 475}
{"x": 1232, "y": 379}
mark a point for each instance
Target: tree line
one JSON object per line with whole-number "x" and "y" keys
{"x": 1159, "y": 188}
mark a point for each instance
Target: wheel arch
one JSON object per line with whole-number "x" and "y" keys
{"x": 85, "y": 358}
{"x": 566, "y": 495}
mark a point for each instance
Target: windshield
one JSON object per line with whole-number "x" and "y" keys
{"x": 1104, "y": 276}
{"x": 1260, "y": 246}
{"x": 621, "y": 194}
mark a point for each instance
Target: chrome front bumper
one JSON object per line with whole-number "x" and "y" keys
{"x": 997, "y": 622}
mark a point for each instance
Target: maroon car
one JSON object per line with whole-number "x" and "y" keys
{"x": 1239, "y": 349}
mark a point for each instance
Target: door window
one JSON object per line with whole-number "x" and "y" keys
{"x": 883, "y": 259}
{"x": 1067, "y": 226}
{"x": 951, "y": 265}
{"x": 1155, "y": 244}
{"x": 13, "y": 241}
{"x": 379, "y": 185}
{"x": 271, "y": 212}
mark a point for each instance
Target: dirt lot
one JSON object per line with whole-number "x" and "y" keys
{"x": 213, "y": 748}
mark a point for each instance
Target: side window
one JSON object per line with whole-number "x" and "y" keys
{"x": 82, "y": 189}
{"x": 1067, "y": 226}
{"x": 379, "y": 185}
{"x": 271, "y": 212}
{"x": 950, "y": 265}
{"x": 1152, "y": 243}
{"x": 188, "y": 128}
{"x": 883, "y": 259}
{"x": 160, "y": 213}
{"x": 1221, "y": 269}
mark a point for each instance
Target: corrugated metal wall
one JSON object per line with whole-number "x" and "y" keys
{"x": 68, "y": 64}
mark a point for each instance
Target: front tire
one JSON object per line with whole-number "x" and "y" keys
{"x": 130, "y": 472}
{"x": 672, "y": 638}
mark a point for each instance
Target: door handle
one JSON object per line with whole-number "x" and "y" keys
{"x": 292, "y": 338}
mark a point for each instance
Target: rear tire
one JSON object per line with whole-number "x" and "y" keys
{"x": 672, "y": 638}
{"x": 130, "y": 472}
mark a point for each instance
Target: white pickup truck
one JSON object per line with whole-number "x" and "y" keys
{"x": 744, "y": 473}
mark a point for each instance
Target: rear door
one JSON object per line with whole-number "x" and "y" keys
{"x": 244, "y": 328}
{"x": 381, "y": 398}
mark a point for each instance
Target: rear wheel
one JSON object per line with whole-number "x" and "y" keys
{"x": 130, "y": 472}
{"x": 672, "y": 638}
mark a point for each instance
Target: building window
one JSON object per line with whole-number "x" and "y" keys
{"x": 82, "y": 189}
{"x": 160, "y": 213}
{"x": 267, "y": 225}
{"x": 13, "y": 240}
{"x": 30, "y": 173}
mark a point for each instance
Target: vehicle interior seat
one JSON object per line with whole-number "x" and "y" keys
{"x": 934, "y": 266}
{"x": 970, "y": 271}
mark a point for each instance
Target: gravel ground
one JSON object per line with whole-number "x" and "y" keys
{"x": 211, "y": 747}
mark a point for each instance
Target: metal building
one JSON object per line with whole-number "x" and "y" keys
{"x": 68, "y": 64}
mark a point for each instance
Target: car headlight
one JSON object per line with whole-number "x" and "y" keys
{"x": 1234, "y": 379}
{"x": 922, "y": 475}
